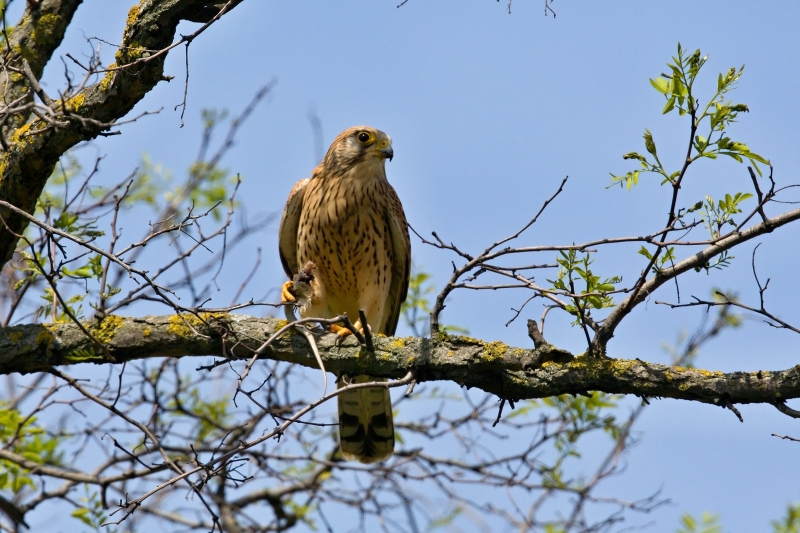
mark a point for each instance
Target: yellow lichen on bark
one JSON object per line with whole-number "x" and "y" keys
{"x": 44, "y": 337}
{"x": 177, "y": 326}
{"x": 47, "y": 26}
{"x": 105, "y": 329}
{"x": 76, "y": 102}
{"x": 399, "y": 343}
{"x": 183, "y": 325}
{"x": 132, "y": 14}
{"x": 494, "y": 350}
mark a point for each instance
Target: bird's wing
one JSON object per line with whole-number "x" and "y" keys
{"x": 290, "y": 221}
{"x": 401, "y": 264}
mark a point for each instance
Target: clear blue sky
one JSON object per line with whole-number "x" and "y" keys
{"x": 488, "y": 112}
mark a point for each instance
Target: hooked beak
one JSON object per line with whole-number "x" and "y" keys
{"x": 387, "y": 151}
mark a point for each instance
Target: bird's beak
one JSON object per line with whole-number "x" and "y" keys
{"x": 386, "y": 150}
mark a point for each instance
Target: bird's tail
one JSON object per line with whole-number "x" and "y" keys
{"x": 366, "y": 429}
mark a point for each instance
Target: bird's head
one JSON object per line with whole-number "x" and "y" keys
{"x": 358, "y": 147}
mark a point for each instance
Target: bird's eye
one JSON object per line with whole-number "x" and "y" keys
{"x": 364, "y": 137}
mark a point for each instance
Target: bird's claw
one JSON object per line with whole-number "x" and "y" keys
{"x": 342, "y": 332}
{"x": 287, "y": 295}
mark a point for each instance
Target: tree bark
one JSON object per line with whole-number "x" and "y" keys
{"x": 508, "y": 372}
{"x": 35, "y": 148}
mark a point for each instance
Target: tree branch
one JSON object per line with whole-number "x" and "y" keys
{"x": 508, "y": 372}
{"x": 606, "y": 330}
{"x": 35, "y": 147}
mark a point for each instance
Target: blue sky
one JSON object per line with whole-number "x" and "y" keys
{"x": 488, "y": 112}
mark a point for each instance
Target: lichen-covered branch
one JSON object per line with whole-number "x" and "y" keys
{"x": 508, "y": 372}
{"x": 34, "y": 147}
{"x": 34, "y": 38}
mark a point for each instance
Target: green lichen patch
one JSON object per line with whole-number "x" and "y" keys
{"x": 364, "y": 358}
{"x": 132, "y": 14}
{"x": 48, "y": 27}
{"x": 460, "y": 339}
{"x": 45, "y": 337}
{"x": 620, "y": 367}
{"x": 108, "y": 78}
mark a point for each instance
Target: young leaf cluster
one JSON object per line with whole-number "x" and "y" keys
{"x": 593, "y": 294}
{"x": 713, "y": 119}
{"x": 23, "y": 436}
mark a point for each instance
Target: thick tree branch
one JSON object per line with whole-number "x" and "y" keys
{"x": 34, "y": 38}
{"x": 510, "y": 373}
{"x": 35, "y": 148}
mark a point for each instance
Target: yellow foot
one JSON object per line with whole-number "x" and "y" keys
{"x": 286, "y": 292}
{"x": 343, "y": 332}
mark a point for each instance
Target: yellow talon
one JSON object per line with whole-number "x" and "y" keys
{"x": 341, "y": 331}
{"x": 286, "y": 292}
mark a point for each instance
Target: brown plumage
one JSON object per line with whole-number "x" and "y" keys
{"x": 348, "y": 221}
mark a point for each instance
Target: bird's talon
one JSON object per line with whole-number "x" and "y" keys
{"x": 286, "y": 293}
{"x": 341, "y": 331}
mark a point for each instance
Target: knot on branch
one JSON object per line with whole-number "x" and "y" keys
{"x": 544, "y": 351}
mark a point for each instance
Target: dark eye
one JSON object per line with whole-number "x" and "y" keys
{"x": 364, "y": 137}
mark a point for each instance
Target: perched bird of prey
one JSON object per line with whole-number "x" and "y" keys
{"x": 345, "y": 225}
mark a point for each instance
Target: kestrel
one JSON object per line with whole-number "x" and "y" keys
{"x": 347, "y": 222}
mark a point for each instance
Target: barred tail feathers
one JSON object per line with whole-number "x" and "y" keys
{"x": 366, "y": 428}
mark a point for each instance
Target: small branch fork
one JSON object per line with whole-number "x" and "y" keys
{"x": 650, "y": 279}
{"x": 53, "y": 113}
{"x": 475, "y": 262}
{"x": 727, "y": 301}
{"x": 207, "y": 468}
{"x": 116, "y": 260}
{"x": 185, "y": 39}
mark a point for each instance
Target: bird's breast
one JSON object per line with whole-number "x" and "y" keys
{"x": 343, "y": 229}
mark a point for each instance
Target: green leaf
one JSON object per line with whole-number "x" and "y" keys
{"x": 82, "y": 514}
{"x": 678, "y": 88}
{"x": 791, "y": 521}
{"x": 82, "y": 272}
{"x": 643, "y": 251}
{"x": 669, "y": 106}
{"x": 661, "y": 85}
{"x": 758, "y": 158}
{"x": 695, "y": 207}
{"x": 710, "y": 524}
{"x": 700, "y": 143}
